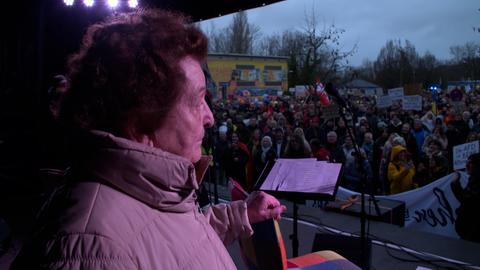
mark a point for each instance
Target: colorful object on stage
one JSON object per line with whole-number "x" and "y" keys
{"x": 391, "y": 211}
{"x": 265, "y": 249}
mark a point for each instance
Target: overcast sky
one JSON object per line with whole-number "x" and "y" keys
{"x": 432, "y": 25}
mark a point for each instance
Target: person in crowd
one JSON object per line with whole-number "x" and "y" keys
{"x": 299, "y": 132}
{"x": 410, "y": 141}
{"x": 438, "y": 167}
{"x": 419, "y": 133}
{"x": 255, "y": 144}
{"x": 437, "y": 135}
{"x": 368, "y": 146}
{"x": 341, "y": 129}
{"x": 352, "y": 174}
{"x": 400, "y": 170}
{"x": 395, "y": 125}
{"x": 336, "y": 152}
{"x": 242, "y": 132}
{"x": 428, "y": 120}
{"x": 280, "y": 143}
{"x": 253, "y": 124}
{"x": 467, "y": 224}
{"x": 379, "y": 175}
{"x": 313, "y": 131}
{"x": 466, "y": 116}
{"x": 235, "y": 160}
{"x": 221, "y": 146}
{"x": 472, "y": 136}
{"x": 264, "y": 155}
{"x": 296, "y": 148}
{"x": 319, "y": 151}
{"x": 136, "y": 102}
{"x": 440, "y": 123}
{"x": 476, "y": 123}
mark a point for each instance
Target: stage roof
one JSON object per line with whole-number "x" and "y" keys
{"x": 204, "y": 10}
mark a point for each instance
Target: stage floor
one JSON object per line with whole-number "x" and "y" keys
{"x": 439, "y": 249}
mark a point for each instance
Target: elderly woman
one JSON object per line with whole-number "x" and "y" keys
{"x": 136, "y": 100}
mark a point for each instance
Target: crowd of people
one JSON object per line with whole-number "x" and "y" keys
{"x": 401, "y": 150}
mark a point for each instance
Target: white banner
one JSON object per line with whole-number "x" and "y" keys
{"x": 396, "y": 93}
{"x": 462, "y": 152}
{"x": 384, "y": 102}
{"x": 430, "y": 208}
{"x": 412, "y": 103}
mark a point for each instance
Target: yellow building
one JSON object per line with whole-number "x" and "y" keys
{"x": 256, "y": 74}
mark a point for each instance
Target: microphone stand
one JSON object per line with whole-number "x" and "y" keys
{"x": 360, "y": 160}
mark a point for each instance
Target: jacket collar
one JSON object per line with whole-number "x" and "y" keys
{"x": 160, "y": 179}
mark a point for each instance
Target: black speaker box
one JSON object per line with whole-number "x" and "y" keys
{"x": 349, "y": 247}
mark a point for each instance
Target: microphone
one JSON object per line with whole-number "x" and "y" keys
{"x": 332, "y": 91}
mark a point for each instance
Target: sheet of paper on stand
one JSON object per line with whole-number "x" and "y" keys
{"x": 302, "y": 175}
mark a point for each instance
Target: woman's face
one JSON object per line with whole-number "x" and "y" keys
{"x": 266, "y": 143}
{"x": 183, "y": 131}
{"x": 402, "y": 156}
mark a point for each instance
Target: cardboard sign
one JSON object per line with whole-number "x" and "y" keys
{"x": 396, "y": 93}
{"x": 412, "y": 103}
{"x": 462, "y": 152}
{"x": 413, "y": 89}
{"x": 384, "y": 102}
{"x": 330, "y": 112}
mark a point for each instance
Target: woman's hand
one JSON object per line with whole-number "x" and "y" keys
{"x": 261, "y": 206}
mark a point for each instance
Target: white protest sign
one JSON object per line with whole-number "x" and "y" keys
{"x": 370, "y": 92}
{"x": 300, "y": 90}
{"x": 412, "y": 103}
{"x": 384, "y": 102}
{"x": 462, "y": 152}
{"x": 396, "y": 93}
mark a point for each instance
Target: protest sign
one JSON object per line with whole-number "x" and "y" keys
{"x": 462, "y": 152}
{"x": 384, "y": 102}
{"x": 430, "y": 208}
{"x": 412, "y": 103}
{"x": 396, "y": 93}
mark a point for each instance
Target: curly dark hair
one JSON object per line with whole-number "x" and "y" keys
{"x": 126, "y": 73}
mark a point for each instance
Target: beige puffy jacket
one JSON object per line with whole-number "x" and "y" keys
{"x": 131, "y": 206}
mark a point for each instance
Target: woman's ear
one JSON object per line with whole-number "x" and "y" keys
{"x": 132, "y": 134}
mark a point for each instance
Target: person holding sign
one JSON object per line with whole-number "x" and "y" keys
{"x": 467, "y": 224}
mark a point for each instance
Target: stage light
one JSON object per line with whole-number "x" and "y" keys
{"x": 112, "y": 3}
{"x": 88, "y": 3}
{"x": 132, "y": 3}
{"x": 68, "y": 2}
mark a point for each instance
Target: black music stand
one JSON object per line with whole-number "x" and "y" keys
{"x": 296, "y": 197}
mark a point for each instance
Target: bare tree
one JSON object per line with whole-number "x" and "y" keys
{"x": 396, "y": 64}
{"x": 241, "y": 34}
{"x": 467, "y": 57}
{"x": 322, "y": 56}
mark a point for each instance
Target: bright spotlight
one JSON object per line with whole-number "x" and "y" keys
{"x": 88, "y": 3}
{"x": 68, "y": 2}
{"x": 112, "y": 3}
{"x": 132, "y": 3}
